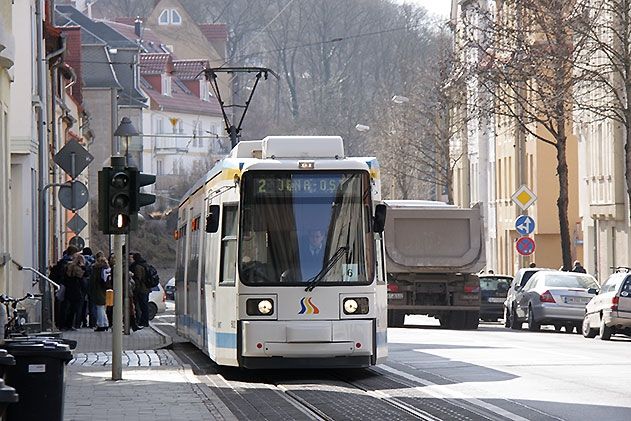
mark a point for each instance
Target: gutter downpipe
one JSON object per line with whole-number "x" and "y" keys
{"x": 42, "y": 161}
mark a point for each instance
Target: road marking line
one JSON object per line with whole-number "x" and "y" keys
{"x": 442, "y": 392}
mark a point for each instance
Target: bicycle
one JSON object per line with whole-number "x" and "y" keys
{"x": 16, "y": 323}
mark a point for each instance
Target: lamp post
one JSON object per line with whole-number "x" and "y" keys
{"x": 124, "y": 132}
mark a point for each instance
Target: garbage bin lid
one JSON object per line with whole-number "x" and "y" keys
{"x": 72, "y": 343}
{"x": 38, "y": 348}
{"x": 7, "y": 393}
{"x": 6, "y": 358}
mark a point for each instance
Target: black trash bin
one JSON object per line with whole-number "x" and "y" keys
{"x": 7, "y": 396}
{"x": 6, "y": 359}
{"x": 39, "y": 377}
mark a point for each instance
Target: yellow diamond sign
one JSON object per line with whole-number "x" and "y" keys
{"x": 524, "y": 197}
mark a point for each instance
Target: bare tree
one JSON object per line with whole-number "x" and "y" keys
{"x": 606, "y": 93}
{"x": 531, "y": 77}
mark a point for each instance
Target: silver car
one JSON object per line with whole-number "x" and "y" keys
{"x": 555, "y": 298}
{"x": 609, "y": 312}
{"x": 521, "y": 277}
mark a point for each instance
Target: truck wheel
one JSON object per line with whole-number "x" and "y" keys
{"x": 458, "y": 320}
{"x": 396, "y": 318}
{"x": 472, "y": 320}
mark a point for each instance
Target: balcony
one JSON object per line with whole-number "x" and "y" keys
{"x": 167, "y": 144}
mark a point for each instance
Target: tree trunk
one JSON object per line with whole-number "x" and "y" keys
{"x": 562, "y": 202}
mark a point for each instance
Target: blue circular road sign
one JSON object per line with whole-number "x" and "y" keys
{"x": 525, "y": 225}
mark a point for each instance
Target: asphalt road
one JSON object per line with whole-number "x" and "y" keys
{"x": 492, "y": 373}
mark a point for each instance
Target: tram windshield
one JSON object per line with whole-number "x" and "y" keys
{"x": 299, "y": 226}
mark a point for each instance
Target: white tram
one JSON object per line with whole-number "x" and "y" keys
{"x": 250, "y": 292}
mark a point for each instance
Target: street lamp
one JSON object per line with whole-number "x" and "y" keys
{"x": 125, "y": 131}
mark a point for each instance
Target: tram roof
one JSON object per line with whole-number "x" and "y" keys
{"x": 281, "y": 148}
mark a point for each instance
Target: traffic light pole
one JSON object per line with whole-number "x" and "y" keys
{"x": 117, "y": 323}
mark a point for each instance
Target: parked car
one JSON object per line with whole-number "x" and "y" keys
{"x": 493, "y": 291}
{"x": 521, "y": 277}
{"x": 554, "y": 298}
{"x": 169, "y": 288}
{"x": 609, "y": 312}
{"x": 157, "y": 301}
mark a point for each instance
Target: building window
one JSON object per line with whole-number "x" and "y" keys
{"x": 176, "y": 19}
{"x": 164, "y": 17}
{"x": 204, "y": 95}
{"x": 159, "y": 167}
{"x": 166, "y": 85}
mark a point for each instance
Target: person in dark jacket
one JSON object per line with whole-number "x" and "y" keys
{"x": 141, "y": 291}
{"x": 75, "y": 271}
{"x": 58, "y": 275}
{"x": 96, "y": 292}
{"x": 578, "y": 267}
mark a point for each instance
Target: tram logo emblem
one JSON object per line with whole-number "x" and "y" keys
{"x": 307, "y": 306}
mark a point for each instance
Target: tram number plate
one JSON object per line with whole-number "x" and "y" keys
{"x": 395, "y": 296}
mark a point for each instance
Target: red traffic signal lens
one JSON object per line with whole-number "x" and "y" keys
{"x": 120, "y": 180}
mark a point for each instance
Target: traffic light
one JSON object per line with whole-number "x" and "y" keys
{"x": 115, "y": 200}
{"x": 140, "y": 199}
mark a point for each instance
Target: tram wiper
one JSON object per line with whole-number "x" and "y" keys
{"x": 327, "y": 267}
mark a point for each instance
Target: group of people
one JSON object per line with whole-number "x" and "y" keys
{"x": 84, "y": 279}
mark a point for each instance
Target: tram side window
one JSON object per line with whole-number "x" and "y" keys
{"x": 229, "y": 245}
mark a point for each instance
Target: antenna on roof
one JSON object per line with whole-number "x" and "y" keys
{"x": 211, "y": 75}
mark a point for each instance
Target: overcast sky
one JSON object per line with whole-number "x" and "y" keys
{"x": 436, "y": 7}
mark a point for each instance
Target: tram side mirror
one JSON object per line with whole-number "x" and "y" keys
{"x": 379, "y": 220}
{"x": 212, "y": 220}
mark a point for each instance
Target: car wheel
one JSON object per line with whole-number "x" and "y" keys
{"x": 557, "y": 328}
{"x": 569, "y": 328}
{"x": 532, "y": 325}
{"x": 587, "y": 331}
{"x": 514, "y": 323}
{"x": 605, "y": 331}
{"x": 153, "y": 310}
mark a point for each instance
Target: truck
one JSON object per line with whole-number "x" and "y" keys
{"x": 433, "y": 254}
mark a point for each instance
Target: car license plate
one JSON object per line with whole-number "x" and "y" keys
{"x": 496, "y": 300}
{"x": 576, "y": 300}
{"x": 395, "y": 296}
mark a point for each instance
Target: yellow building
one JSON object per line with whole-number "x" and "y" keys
{"x": 514, "y": 159}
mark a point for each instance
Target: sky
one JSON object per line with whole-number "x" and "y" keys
{"x": 437, "y": 7}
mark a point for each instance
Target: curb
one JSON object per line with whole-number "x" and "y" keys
{"x": 168, "y": 340}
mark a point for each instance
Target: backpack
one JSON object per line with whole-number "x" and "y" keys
{"x": 151, "y": 276}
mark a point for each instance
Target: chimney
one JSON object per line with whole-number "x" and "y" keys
{"x": 138, "y": 27}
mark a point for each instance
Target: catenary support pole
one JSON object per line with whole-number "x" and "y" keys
{"x": 117, "y": 323}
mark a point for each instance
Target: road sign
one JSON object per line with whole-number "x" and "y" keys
{"x": 73, "y": 158}
{"x": 524, "y": 225}
{"x": 73, "y": 196}
{"x": 76, "y": 223}
{"x": 525, "y": 246}
{"x": 524, "y": 197}
{"x": 78, "y": 242}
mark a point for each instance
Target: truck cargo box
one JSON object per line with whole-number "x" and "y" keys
{"x": 433, "y": 237}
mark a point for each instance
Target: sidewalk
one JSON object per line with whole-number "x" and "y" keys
{"x": 155, "y": 386}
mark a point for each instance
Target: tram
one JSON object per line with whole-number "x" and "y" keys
{"x": 280, "y": 257}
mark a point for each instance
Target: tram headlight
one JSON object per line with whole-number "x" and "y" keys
{"x": 355, "y": 305}
{"x": 259, "y": 307}
{"x": 265, "y": 307}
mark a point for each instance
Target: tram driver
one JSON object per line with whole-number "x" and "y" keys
{"x": 312, "y": 254}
